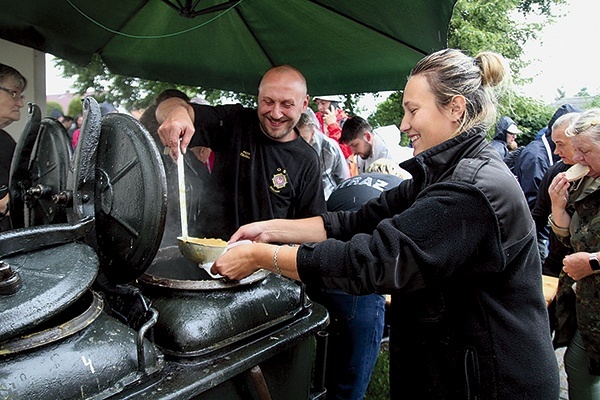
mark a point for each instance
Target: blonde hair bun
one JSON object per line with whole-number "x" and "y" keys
{"x": 494, "y": 68}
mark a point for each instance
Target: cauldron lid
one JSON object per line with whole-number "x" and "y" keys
{"x": 53, "y": 279}
{"x": 130, "y": 198}
{"x": 42, "y": 157}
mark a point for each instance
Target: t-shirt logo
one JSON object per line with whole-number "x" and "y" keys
{"x": 366, "y": 181}
{"x": 279, "y": 180}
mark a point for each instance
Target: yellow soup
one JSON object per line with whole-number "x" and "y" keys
{"x": 206, "y": 242}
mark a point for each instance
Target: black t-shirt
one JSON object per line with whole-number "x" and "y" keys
{"x": 256, "y": 177}
{"x": 198, "y": 181}
{"x": 7, "y": 148}
{"x": 352, "y": 193}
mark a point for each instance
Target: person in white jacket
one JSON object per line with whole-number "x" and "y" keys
{"x": 366, "y": 145}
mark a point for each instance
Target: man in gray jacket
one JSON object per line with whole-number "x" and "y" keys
{"x": 334, "y": 168}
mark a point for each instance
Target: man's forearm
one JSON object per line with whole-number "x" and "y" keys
{"x": 168, "y": 106}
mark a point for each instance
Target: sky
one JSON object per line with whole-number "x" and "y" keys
{"x": 560, "y": 60}
{"x": 567, "y": 57}
{"x": 54, "y": 83}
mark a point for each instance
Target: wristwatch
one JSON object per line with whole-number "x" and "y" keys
{"x": 594, "y": 263}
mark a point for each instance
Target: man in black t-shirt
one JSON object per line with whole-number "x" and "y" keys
{"x": 263, "y": 168}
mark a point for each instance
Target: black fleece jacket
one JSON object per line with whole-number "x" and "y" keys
{"x": 456, "y": 248}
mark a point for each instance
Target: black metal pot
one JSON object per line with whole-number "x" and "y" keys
{"x": 88, "y": 308}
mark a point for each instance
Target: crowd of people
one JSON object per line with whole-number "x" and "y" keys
{"x": 459, "y": 235}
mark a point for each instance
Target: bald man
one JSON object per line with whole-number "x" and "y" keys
{"x": 263, "y": 168}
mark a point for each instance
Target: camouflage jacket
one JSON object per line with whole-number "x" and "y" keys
{"x": 579, "y": 308}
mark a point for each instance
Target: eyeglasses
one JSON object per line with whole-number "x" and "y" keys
{"x": 15, "y": 94}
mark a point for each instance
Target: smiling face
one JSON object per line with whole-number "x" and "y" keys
{"x": 587, "y": 152}
{"x": 10, "y": 107}
{"x": 425, "y": 122}
{"x": 282, "y": 98}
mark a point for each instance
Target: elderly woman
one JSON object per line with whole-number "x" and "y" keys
{"x": 575, "y": 219}
{"x": 12, "y": 85}
{"x": 455, "y": 246}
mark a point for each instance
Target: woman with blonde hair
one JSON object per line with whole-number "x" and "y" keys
{"x": 455, "y": 246}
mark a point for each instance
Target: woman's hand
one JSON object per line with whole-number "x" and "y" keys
{"x": 240, "y": 261}
{"x": 577, "y": 265}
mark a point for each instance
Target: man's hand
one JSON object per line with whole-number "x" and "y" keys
{"x": 255, "y": 231}
{"x": 577, "y": 265}
{"x": 176, "y": 119}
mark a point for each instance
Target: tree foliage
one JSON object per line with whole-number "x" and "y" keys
{"x": 75, "y": 107}
{"x": 390, "y": 112}
{"x": 134, "y": 93}
{"x": 53, "y": 105}
{"x": 593, "y": 102}
{"x": 503, "y": 26}
{"x": 531, "y": 115}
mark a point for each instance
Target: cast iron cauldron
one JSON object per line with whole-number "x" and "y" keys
{"x": 102, "y": 335}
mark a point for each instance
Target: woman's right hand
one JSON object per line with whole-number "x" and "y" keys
{"x": 559, "y": 191}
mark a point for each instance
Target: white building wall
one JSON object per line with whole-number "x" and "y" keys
{"x": 32, "y": 64}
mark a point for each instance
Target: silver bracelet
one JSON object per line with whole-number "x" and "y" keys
{"x": 275, "y": 263}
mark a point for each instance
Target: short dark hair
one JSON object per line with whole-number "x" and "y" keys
{"x": 353, "y": 128}
{"x": 169, "y": 93}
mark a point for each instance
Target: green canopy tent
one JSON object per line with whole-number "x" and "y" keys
{"x": 341, "y": 46}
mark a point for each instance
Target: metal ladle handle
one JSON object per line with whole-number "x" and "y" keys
{"x": 182, "y": 204}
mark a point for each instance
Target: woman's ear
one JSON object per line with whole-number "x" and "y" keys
{"x": 458, "y": 105}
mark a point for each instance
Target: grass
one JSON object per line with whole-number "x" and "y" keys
{"x": 379, "y": 387}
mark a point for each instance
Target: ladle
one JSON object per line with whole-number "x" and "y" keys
{"x": 182, "y": 203}
{"x": 190, "y": 247}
